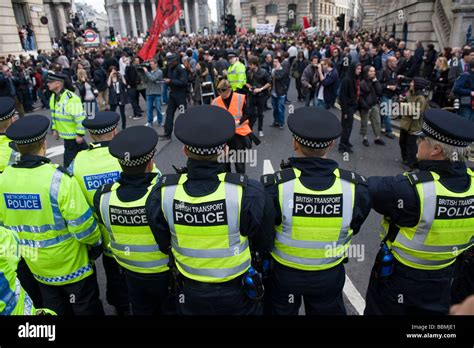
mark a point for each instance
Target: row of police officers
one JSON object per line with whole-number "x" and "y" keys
{"x": 206, "y": 241}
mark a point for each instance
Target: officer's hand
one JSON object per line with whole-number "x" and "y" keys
{"x": 464, "y": 308}
{"x": 56, "y": 135}
{"x": 94, "y": 252}
{"x": 79, "y": 139}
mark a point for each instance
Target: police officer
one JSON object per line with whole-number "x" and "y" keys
{"x": 428, "y": 221}
{"x": 47, "y": 209}
{"x": 14, "y": 300}
{"x": 235, "y": 103}
{"x": 121, "y": 208}
{"x": 208, "y": 218}
{"x": 236, "y": 73}
{"x": 94, "y": 168}
{"x": 67, "y": 115}
{"x": 319, "y": 208}
{"x": 7, "y": 111}
{"x": 177, "y": 81}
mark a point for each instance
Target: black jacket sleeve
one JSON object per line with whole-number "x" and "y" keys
{"x": 156, "y": 220}
{"x": 257, "y": 216}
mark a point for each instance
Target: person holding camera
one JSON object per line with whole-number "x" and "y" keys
{"x": 87, "y": 92}
{"x": 117, "y": 93}
{"x": 154, "y": 80}
{"x": 326, "y": 91}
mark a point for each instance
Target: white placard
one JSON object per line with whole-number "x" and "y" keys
{"x": 264, "y": 29}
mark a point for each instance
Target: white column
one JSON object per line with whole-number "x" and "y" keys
{"x": 186, "y": 16}
{"x": 61, "y": 16}
{"x": 134, "y": 20}
{"x": 176, "y": 26}
{"x": 196, "y": 14}
{"x": 144, "y": 23}
{"x": 123, "y": 27}
{"x": 153, "y": 8}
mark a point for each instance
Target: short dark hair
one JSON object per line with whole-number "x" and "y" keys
{"x": 467, "y": 52}
{"x": 30, "y": 149}
{"x": 254, "y": 60}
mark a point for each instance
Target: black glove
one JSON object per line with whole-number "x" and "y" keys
{"x": 94, "y": 252}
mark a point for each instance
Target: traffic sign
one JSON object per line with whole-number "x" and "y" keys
{"x": 91, "y": 38}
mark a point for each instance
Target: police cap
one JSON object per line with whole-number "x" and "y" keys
{"x": 28, "y": 130}
{"x": 448, "y": 128}
{"x": 56, "y": 77}
{"x": 7, "y": 108}
{"x": 103, "y": 122}
{"x": 314, "y": 127}
{"x": 231, "y": 54}
{"x": 205, "y": 129}
{"x": 134, "y": 146}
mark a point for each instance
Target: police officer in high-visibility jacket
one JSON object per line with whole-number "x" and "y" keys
{"x": 121, "y": 208}
{"x": 67, "y": 114}
{"x": 7, "y": 111}
{"x": 208, "y": 219}
{"x": 47, "y": 209}
{"x": 236, "y": 73}
{"x": 319, "y": 208}
{"x": 428, "y": 221}
{"x": 235, "y": 103}
{"x": 94, "y": 168}
{"x": 14, "y": 300}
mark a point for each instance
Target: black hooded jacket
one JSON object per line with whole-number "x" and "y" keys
{"x": 348, "y": 97}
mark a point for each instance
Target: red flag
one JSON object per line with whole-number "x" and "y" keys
{"x": 305, "y": 23}
{"x": 167, "y": 12}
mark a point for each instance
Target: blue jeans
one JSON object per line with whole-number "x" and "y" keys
{"x": 466, "y": 112}
{"x": 165, "y": 93}
{"x": 321, "y": 104}
{"x": 278, "y": 104}
{"x": 387, "y": 121}
{"x": 31, "y": 43}
{"x": 156, "y": 99}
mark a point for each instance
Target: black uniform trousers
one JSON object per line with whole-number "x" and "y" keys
{"x": 116, "y": 291}
{"x": 257, "y": 104}
{"x": 228, "y": 298}
{"x": 175, "y": 100}
{"x": 409, "y": 291}
{"x": 408, "y": 147}
{"x": 321, "y": 290}
{"x": 149, "y": 293}
{"x": 463, "y": 283}
{"x": 238, "y": 142}
{"x": 346, "y": 123}
{"x": 79, "y": 298}
{"x": 71, "y": 149}
{"x": 29, "y": 283}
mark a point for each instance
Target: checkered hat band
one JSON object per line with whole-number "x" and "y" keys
{"x": 313, "y": 144}
{"x": 103, "y": 130}
{"x": 30, "y": 140}
{"x": 8, "y": 115}
{"x": 137, "y": 161}
{"x": 205, "y": 152}
{"x": 432, "y": 133}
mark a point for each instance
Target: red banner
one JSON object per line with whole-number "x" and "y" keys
{"x": 167, "y": 12}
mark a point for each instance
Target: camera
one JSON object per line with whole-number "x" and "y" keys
{"x": 144, "y": 65}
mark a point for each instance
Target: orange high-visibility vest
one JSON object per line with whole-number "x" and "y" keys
{"x": 235, "y": 108}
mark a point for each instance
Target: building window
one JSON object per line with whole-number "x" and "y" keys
{"x": 394, "y": 30}
{"x": 271, "y": 9}
{"x": 253, "y": 11}
{"x": 405, "y": 31}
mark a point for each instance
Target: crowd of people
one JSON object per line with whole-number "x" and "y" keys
{"x": 358, "y": 71}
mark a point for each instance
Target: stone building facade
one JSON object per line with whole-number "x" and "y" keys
{"x": 440, "y": 22}
{"x": 14, "y": 13}
{"x": 133, "y": 17}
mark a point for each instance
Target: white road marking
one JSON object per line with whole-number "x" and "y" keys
{"x": 55, "y": 151}
{"x": 352, "y": 294}
{"x": 267, "y": 167}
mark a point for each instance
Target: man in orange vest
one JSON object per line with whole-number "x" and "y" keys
{"x": 235, "y": 104}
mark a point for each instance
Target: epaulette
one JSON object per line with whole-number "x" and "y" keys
{"x": 284, "y": 164}
{"x": 237, "y": 179}
{"x": 267, "y": 180}
{"x": 284, "y": 175}
{"x": 419, "y": 177}
{"x": 64, "y": 171}
{"x": 106, "y": 188}
{"x": 168, "y": 180}
{"x": 352, "y": 177}
{"x": 69, "y": 94}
